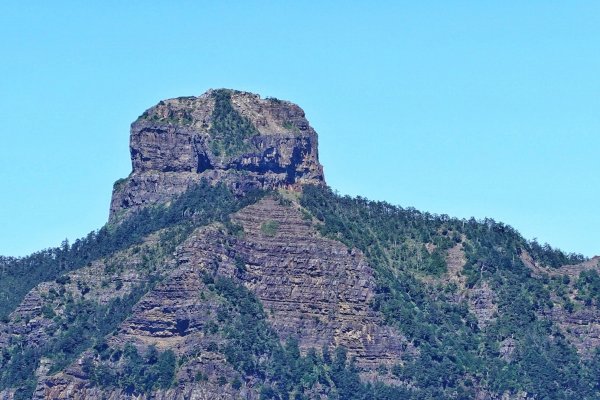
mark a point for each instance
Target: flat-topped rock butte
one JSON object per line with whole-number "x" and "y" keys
{"x": 227, "y": 136}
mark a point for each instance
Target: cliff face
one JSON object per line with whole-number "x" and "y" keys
{"x": 223, "y": 136}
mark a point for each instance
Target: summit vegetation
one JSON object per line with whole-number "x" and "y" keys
{"x": 230, "y": 131}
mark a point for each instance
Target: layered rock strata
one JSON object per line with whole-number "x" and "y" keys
{"x": 223, "y": 136}
{"x": 313, "y": 289}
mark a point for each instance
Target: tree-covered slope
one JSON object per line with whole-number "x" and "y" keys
{"x": 203, "y": 203}
{"x": 474, "y": 300}
{"x": 73, "y": 323}
{"x": 517, "y": 350}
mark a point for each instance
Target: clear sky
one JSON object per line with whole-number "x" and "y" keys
{"x": 468, "y": 108}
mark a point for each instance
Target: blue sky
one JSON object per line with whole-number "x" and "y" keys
{"x": 485, "y": 109}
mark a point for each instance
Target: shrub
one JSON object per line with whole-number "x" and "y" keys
{"x": 269, "y": 228}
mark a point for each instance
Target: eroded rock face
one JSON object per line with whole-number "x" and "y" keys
{"x": 312, "y": 288}
{"x": 225, "y": 136}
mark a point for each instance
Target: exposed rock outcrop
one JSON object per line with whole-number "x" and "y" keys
{"x": 314, "y": 289}
{"x": 225, "y": 136}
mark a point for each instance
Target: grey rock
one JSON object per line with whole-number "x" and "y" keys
{"x": 173, "y": 145}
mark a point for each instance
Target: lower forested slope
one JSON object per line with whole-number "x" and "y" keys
{"x": 293, "y": 295}
{"x": 516, "y": 349}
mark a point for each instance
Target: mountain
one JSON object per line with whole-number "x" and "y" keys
{"x": 229, "y": 269}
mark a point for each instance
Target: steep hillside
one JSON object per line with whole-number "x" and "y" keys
{"x": 229, "y": 270}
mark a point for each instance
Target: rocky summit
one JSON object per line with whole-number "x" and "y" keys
{"x": 229, "y": 270}
{"x": 224, "y": 136}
